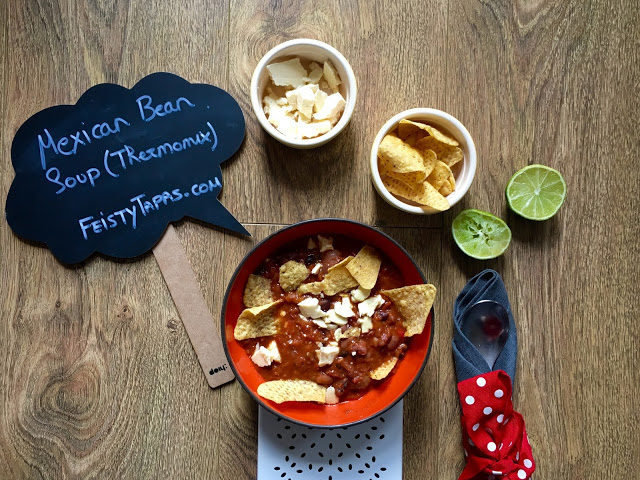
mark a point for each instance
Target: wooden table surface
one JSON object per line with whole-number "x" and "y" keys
{"x": 97, "y": 375}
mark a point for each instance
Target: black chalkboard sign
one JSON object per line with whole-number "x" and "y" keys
{"x": 111, "y": 172}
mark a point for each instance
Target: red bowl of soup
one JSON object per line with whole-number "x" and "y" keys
{"x": 359, "y": 398}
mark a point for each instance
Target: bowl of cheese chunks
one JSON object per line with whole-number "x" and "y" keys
{"x": 328, "y": 322}
{"x": 303, "y": 93}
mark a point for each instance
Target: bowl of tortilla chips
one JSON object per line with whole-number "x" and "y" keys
{"x": 328, "y": 322}
{"x": 423, "y": 161}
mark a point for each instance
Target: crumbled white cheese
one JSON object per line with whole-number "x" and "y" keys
{"x": 315, "y": 73}
{"x": 360, "y": 294}
{"x": 344, "y": 308}
{"x": 287, "y": 73}
{"x": 333, "y": 317}
{"x": 331, "y": 76}
{"x": 308, "y": 129}
{"x": 316, "y": 269}
{"x": 331, "y": 109}
{"x": 320, "y": 323}
{"x": 264, "y": 356}
{"x": 309, "y": 307}
{"x": 365, "y": 323}
{"x": 321, "y": 97}
{"x": 369, "y": 305}
{"x": 350, "y": 332}
{"x": 327, "y": 354}
{"x": 306, "y": 99}
{"x": 311, "y": 244}
{"x": 326, "y": 243}
{"x": 330, "y": 396}
{"x": 294, "y": 114}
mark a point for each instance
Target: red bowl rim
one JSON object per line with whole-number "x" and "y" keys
{"x": 255, "y": 397}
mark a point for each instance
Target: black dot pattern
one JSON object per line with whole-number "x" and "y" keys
{"x": 335, "y": 454}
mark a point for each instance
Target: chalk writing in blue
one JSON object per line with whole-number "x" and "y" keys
{"x": 103, "y": 223}
{"x": 69, "y": 145}
{"x": 127, "y": 156}
{"x": 53, "y": 175}
{"x": 148, "y": 112}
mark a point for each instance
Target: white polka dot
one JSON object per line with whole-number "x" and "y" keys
{"x": 470, "y": 400}
{"x": 528, "y": 463}
{"x": 517, "y": 456}
{"x": 505, "y": 422}
{"x": 500, "y": 447}
{"x": 466, "y": 454}
{"x": 500, "y": 418}
{"x": 496, "y": 472}
{"x": 487, "y": 410}
{"x": 471, "y": 442}
{"x": 498, "y": 393}
{"x": 475, "y": 427}
{"x": 481, "y": 382}
{"x": 491, "y": 447}
{"x": 522, "y": 474}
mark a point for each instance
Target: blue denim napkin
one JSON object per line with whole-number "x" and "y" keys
{"x": 487, "y": 285}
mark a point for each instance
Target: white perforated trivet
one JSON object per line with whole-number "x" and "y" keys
{"x": 368, "y": 451}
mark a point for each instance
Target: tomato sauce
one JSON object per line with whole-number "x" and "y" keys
{"x": 298, "y": 338}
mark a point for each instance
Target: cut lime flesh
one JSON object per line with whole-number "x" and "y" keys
{"x": 536, "y": 192}
{"x": 480, "y": 234}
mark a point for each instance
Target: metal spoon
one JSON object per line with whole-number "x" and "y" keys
{"x": 486, "y": 325}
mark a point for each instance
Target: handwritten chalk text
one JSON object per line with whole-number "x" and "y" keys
{"x": 128, "y": 216}
{"x": 68, "y": 145}
{"x": 125, "y": 157}
{"x": 148, "y": 112}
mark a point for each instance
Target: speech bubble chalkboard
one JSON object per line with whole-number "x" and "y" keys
{"x": 111, "y": 172}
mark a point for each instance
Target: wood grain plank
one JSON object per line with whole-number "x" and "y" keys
{"x": 386, "y": 47}
{"x": 96, "y": 354}
{"x": 543, "y": 83}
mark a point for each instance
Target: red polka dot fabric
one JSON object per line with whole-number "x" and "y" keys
{"x": 493, "y": 434}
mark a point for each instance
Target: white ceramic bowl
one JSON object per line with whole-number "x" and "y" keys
{"x": 311, "y": 50}
{"x": 463, "y": 172}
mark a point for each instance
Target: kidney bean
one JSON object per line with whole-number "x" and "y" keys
{"x": 311, "y": 258}
{"x": 361, "y": 382}
{"x": 393, "y": 342}
{"x": 324, "y": 379}
{"x": 340, "y": 386}
{"x": 381, "y": 315}
{"x": 345, "y": 364}
{"x": 325, "y": 304}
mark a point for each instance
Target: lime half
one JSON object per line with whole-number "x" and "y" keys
{"x": 480, "y": 234}
{"x": 536, "y": 192}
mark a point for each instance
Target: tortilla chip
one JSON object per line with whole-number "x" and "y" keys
{"x": 257, "y": 292}
{"x": 409, "y": 130}
{"x": 280, "y": 391}
{"x": 412, "y": 139}
{"x": 432, "y": 131}
{"x": 292, "y": 274}
{"x": 314, "y": 288}
{"x": 447, "y": 187}
{"x": 383, "y": 370}
{"x": 257, "y": 322}
{"x": 365, "y": 267}
{"x": 423, "y": 193}
{"x": 429, "y": 159}
{"x": 446, "y": 153}
{"x": 414, "y": 304}
{"x": 440, "y": 174}
{"x": 401, "y": 157}
{"x": 338, "y": 278}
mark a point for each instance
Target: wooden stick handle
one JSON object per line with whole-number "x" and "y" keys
{"x": 192, "y": 308}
